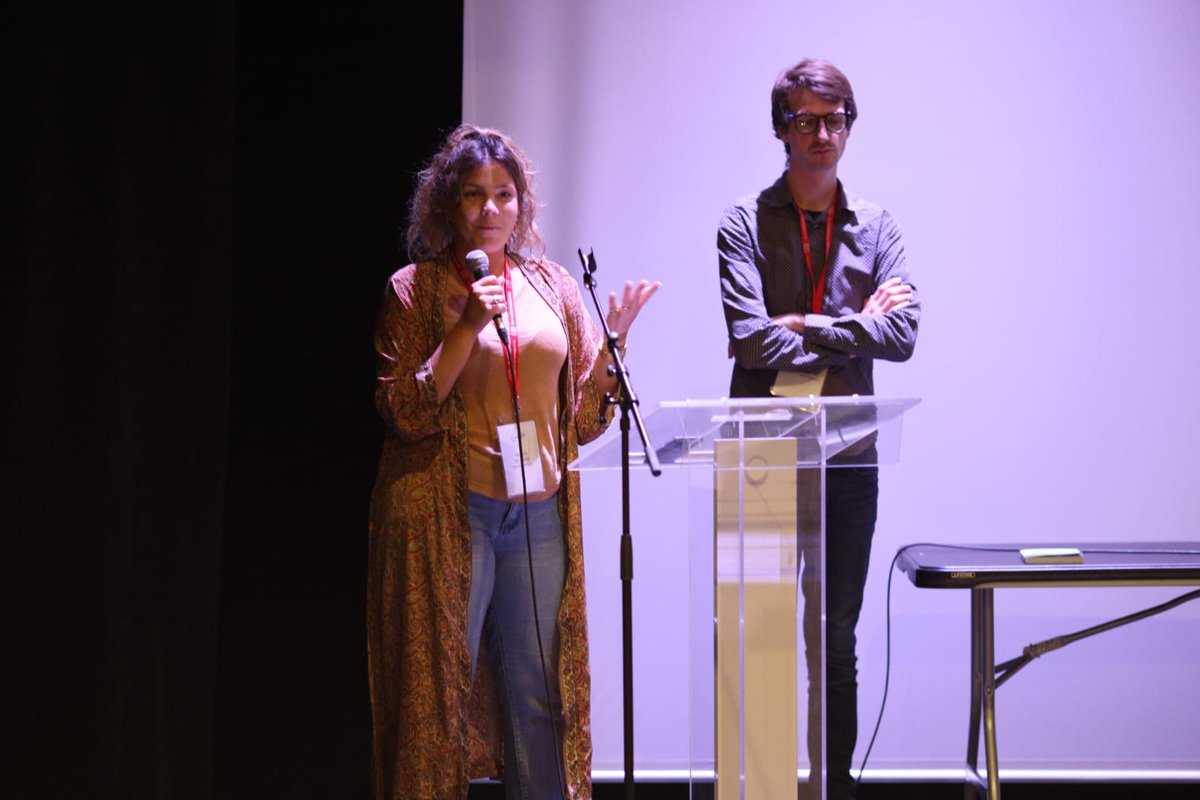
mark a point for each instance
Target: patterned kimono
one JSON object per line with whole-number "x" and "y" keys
{"x": 433, "y": 730}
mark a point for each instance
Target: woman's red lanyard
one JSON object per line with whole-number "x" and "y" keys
{"x": 513, "y": 368}
{"x": 818, "y": 287}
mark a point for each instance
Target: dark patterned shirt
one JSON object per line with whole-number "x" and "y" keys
{"x": 763, "y": 275}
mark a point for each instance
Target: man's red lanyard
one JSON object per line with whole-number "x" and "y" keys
{"x": 818, "y": 286}
{"x": 513, "y": 368}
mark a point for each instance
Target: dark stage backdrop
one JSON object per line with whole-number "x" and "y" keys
{"x": 334, "y": 112}
{"x": 115, "y": 309}
{"x": 210, "y": 202}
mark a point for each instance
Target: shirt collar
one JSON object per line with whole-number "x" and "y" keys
{"x": 779, "y": 196}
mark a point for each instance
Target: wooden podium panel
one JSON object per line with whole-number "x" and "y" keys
{"x": 755, "y": 607}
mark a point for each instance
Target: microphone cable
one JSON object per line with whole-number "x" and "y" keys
{"x": 537, "y": 627}
{"x": 479, "y": 262}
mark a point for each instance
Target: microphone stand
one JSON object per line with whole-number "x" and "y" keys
{"x": 629, "y": 408}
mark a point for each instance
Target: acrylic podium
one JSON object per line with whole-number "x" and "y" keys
{"x": 756, "y": 473}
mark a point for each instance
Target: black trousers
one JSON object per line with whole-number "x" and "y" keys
{"x": 851, "y": 508}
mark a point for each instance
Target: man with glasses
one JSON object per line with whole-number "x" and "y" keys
{"x": 815, "y": 288}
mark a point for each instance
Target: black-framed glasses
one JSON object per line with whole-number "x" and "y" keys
{"x": 806, "y": 124}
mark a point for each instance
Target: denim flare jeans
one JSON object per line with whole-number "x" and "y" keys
{"x": 502, "y": 608}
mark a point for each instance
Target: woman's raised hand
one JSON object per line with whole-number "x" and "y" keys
{"x": 621, "y": 314}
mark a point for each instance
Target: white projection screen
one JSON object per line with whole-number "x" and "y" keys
{"x": 1043, "y": 160}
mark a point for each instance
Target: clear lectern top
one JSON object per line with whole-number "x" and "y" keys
{"x": 837, "y": 431}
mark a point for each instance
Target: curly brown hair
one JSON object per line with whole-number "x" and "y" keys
{"x": 431, "y": 231}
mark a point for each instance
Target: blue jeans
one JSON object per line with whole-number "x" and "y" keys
{"x": 851, "y": 507}
{"x": 502, "y": 607}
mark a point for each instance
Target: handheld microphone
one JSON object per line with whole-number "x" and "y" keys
{"x": 477, "y": 260}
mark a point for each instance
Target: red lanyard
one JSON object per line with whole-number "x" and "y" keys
{"x": 513, "y": 369}
{"x": 818, "y": 287}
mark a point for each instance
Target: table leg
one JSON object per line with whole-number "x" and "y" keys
{"x": 987, "y": 654}
{"x": 975, "y": 787}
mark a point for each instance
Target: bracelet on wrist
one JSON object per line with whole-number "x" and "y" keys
{"x": 605, "y": 351}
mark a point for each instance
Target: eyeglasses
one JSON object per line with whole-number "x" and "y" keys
{"x": 806, "y": 124}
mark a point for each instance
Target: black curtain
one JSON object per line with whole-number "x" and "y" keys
{"x": 335, "y": 111}
{"x": 209, "y": 202}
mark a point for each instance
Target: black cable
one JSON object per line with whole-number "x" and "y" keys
{"x": 537, "y": 627}
{"x": 1011, "y": 667}
{"x": 887, "y": 669}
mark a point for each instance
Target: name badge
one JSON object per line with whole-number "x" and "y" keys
{"x": 798, "y": 384}
{"x": 514, "y": 465}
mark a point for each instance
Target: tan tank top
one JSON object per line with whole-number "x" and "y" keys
{"x": 485, "y": 387}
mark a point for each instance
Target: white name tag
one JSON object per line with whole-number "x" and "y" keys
{"x": 514, "y": 465}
